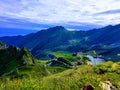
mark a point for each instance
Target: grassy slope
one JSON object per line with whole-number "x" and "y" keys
{"x": 66, "y": 55}
{"x": 52, "y": 69}
{"x": 70, "y": 79}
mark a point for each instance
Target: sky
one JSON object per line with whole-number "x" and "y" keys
{"x": 72, "y": 14}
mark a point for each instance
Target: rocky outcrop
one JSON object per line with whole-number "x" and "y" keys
{"x": 107, "y": 85}
{"x": 26, "y": 56}
{"x": 11, "y": 57}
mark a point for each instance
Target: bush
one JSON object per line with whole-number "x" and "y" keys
{"x": 103, "y": 67}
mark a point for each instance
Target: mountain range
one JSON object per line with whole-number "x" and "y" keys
{"x": 15, "y": 31}
{"x": 104, "y": 41}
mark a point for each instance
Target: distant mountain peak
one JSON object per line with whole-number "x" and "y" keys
{"x": 57, "y": 28}
{"x": 118, "y": 25}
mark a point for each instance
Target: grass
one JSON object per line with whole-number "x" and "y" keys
{"x": 69, "y": 79}
{"x": 66, "y": 55}
{"x": 42, "y": 61}
{"x": 56, "y": 69}
{"x": 29, "y": 71}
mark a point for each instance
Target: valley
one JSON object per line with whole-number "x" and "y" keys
{"x": 47, "y": 60}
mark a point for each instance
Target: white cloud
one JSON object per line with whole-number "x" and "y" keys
{"x": 61, "y": 11}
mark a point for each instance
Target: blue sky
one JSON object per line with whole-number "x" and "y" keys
{"x": 72, "y": 14}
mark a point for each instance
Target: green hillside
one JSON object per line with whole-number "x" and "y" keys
{"x": 70, "y": 79}
{"x": 12, "y": 57}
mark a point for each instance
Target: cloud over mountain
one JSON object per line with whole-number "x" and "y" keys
{"x": 61, "y": 12}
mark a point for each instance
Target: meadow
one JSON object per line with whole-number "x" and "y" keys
{"x": 68, "y": 79}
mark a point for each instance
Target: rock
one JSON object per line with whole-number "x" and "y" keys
{"x": 26, "y": 56}
{"x": 107, "y": 85}
{"x": 88, "y": 87}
